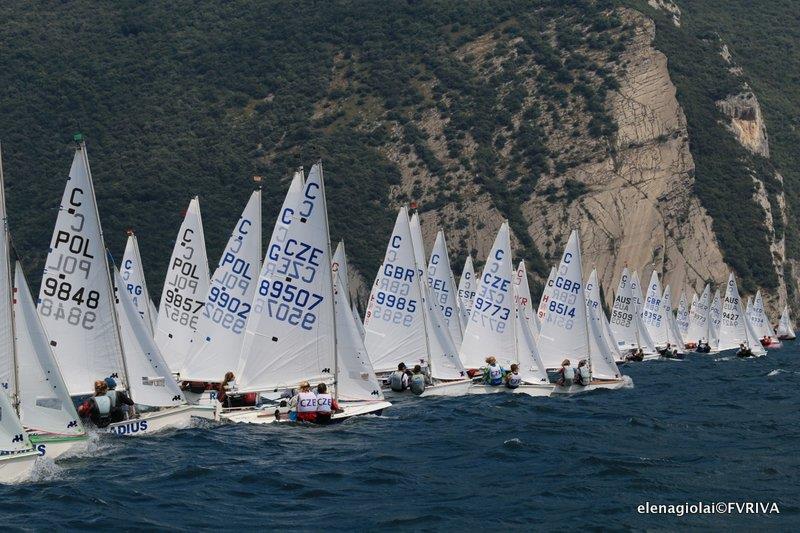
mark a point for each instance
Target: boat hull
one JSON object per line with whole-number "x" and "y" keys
{"x": 448, "y": 388}
{"x": 251, "y": 415}
{"x": 154, "y": 421}
{"x": 610, "y": 384}
{"x": 54, "y": 446}
{"x": 17, "y": 467}
{"x": 543, "y": 389}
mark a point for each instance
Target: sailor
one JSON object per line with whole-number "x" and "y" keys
{"x": 513, "y": 379}
{"x": 668, "y": 352}
{"x": 583, "y": 376}
{"x": 418, "y": 381}
{"x": 398, "y": 380}
{"x": 636, "y": 355}
{"x": 493, "y": 373}
{"x": 744, "y": 351}
{"x": 227, "y": 386}
{"x": 306, "y": 403}
{"x": 98, "y": 407}
{"x": 566, "y": 373}
{"x": 326, "y": 404}
{"x": 118, "y": 400}
{"x": 282, "y": 411}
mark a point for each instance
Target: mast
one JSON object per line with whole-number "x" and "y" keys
{"x": 515, "y": 303}
{"x": 7, "y": 238}
{"x": 332, "y": 287}
{"x": 81, "y": 145}
{"x": 586, "y": 307}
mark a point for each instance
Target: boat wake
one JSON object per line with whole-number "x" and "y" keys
{"x": 45, "y": 470}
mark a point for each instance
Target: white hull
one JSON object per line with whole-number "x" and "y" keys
{"x": 611, "y": 384}
{"x": 543, "y": 389}
{"x": 154, "y": 421}
{"x": 251, "y": 415}
{"x": 448, "y": 388}
{"x": 17, "y": 467}
{"x": 53, "y": 447}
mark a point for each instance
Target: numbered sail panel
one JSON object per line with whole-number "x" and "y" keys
{"x": 220, "y": 328}
{"x": 185, "y": 288}
{"x": 547, "y": 292}
{"x": 394, "y": 320}
{"x": 758, "y": 318}
{"x": 75, "y": 301}
{"x": 466, "y": 291}
{"x": 564, "y": 330}
{"x": 653, "y": 312}
{"x": 698, "y": 317}
{"x": 522, "y": 296}
{"x": 132, "y": 272}
{"x": 682, "y": 317}
{"x": 623, "y": 313}
{"x": 289, "y": 335}
{"x": 732, "y": 330}
{"x": 490, "y": 331}
{"x": 443, "y": 288}
{"x": 44, "y": 400}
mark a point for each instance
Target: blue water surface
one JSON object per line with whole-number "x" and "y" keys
{"x": 699, "y": 430}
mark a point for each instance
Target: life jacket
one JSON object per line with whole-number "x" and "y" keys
{"x": 112, "y": 395}
{"x": 306, "y": 402}
{"x": 585, "y": 374}
{"x": 396, "y": 380}
{"x": 569, "y": 374}
{"x": 495, "y": 375}
{"x": 514, "y": 381}
{"x": 417, "y": 383}
{"x": 324, "y": 403}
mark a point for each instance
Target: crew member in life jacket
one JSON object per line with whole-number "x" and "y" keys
{"x": 326, "y": 405}
{"x": 566, "y": 374}
{"x": 703, "y": 347}
{"x": 417, "y": 382}
{"x": 306, "y": 403}
{"x": 493, "y": 373}
{"x": 398, "y": 380}
{"x": 583, "y": 376}
{"x": 97, "y": 408}
{"x": 636, "y": 355}
{"x": 744, "y": 351}
{"x": 668, "y": 353}
{"x": 118, "y": 400}
{"x": 513, "y": 379}
{"x": 227, "y": 386}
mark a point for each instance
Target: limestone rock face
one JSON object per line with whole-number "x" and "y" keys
{"x": 640, "y": 210}
{"x": 668, "y": 6}
{"x": 746, "y": 121}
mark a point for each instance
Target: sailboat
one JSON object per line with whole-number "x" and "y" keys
{"x": 133, "y": 275}
{"x": 402, "y": 323}
{"x": 626, "y": 320}
{"x": 497, "y": 329}
{"x": 442, "y": 285}
{"x": 674, "y": 337}
{"x": 714, "y": 322}
{"x": 682, "y": 318}
{"x": 544, "y": 301}
{"x": 785, "y": 330}
{"x": 523, "y": 300}
{"x": 698, "y": 319}
{"x": 185, "y": 287}
{"x": 300, "y": 326}
{"x": 94, "y": 329}
{"x": 761, "y": 325}
{"x": 28, "y": 371}
{"x": 572, "y": 328}
{"x": 653, "y": 313}
{"x": 466, "y": 291}
{"x": 220, "y": 327}
{"x": 647, "y": 345}
{"x": 593, "y": 301}
{"x": 735, "y": 329}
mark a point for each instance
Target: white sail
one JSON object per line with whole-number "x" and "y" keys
{"x": 593, "y": 302}
{"x": 44, "y": 401}
{"x": 734, "y": 326}
{"x": 623, "y": 315}
{"x": 714, "y": 321}
{"x": 531, "y": 367}
{"x": 290, "y": 332}
{"x": 355, "y": 380}
{"x": 749, "y": 307}
{"x": 466, "y": 291}
{"x": 75, "y": 300}
{"x": 358, "y": 321}
{"x": 7, "y": 380}
{"x": 698, "y": 317}
{"x": 339, "y": 266}
{"x": 674, "y": 336}
{"x": 12, "y": 436}
{"x": 645, "y": 341}
{"x": 220, "y": 328}
{"x": 601, "y": 354}
{"x": 185, "y": 287}
{"x": 653, "y": 314}
{"x": 564, "y": 333}
{"x": 151, "y": 381}
{"x": 394, "y": 320}
{"x": 133, "y": 275}
{"x": 490, "y": 331}
{"x": 544, "y": 301}
{"x": 523, "y": 300}
{"x": 682, "y": 318}
{"x": 758, "y": 317}
{"x": 443, "y": 288}
{"x": 785, "y": 326}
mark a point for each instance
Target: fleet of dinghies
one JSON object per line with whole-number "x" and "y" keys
{"x": 277, "y": 317}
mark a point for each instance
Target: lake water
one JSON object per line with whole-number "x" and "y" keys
{"x": 699, "y": 430}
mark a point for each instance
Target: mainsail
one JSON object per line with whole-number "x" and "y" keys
{"x": 443, "y": 288}
{"x": 133, "y": 275}
{"x": 698, "y": 317}
{"x": 653, "y": 314}
{"x": 523, "y": 300}
{"x": 466, "y": 291}
{"x": 682, "y": 317}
